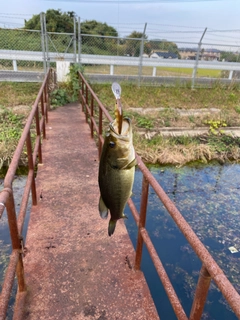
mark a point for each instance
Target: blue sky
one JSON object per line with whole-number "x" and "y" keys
{"x": 169, "y": 19}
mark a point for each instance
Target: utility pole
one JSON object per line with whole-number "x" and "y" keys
{"x": 79, "y": 41}
{"x": 43, "y": 42}
{"x": 46, "y": 39}
{"x": 197, "y": 59}
{"x": 141, "y": 55}
{"x": 74, "y": 39}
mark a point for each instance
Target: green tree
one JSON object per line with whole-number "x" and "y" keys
{"x": 97, "y": 28}
{"x": 98, "y": 45}
{"x": 229, "y": 56}
{"x": 163, "y": 45}
{"x": 133, "y": 46}
{"x": 62, "y": 22}
{"x": 56, "y": 21}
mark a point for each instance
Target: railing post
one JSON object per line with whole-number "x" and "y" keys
{"x": 203, "y": 284}
{"x": 99, "y": 133}
{"x": 79, "y": 84}
{"x": 142, "y": 222}
{"x": 46, "y": 89}
{"x": 43, "y": 99}
{"x": 54, "y": 77}
{"x": 92, "y": 106}
{"x": 43, "y": 115}
{"x": 16, "y": 240}
{"x": 31, "y": 167}
{"x": 39, "y": 135}
{"x": 86, "y": 99}
{"x": 83, "y": 91}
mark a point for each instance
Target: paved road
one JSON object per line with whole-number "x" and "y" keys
{"x": 21, "y": 76}
{"x": 27, "y": 76}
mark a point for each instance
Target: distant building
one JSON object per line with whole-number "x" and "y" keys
{"x": 188, "y": 53}
{"x": 163, "y": 55}
{"x": 205, "y": 54}
{"x": 210, "y": 54}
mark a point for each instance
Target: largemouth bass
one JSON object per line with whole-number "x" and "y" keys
{"x": 116, "y": 171}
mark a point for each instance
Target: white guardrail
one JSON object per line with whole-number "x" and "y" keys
{"x": 112, "y": 61}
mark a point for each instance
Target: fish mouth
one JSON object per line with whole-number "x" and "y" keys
{"x": 126, "y": 128}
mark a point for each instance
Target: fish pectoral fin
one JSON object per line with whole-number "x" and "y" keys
{"x": 123, "y": 216}
{"x": 103, "y": 210}
{"x": 133, "y": 163}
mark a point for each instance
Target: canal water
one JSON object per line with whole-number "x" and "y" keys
{"x": 5, "y": 240}
{"x": 209, "y": 199}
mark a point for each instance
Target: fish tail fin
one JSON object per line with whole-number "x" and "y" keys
{"x": 111, "y": 227}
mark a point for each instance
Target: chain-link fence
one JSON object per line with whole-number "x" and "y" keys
{"x": 142, "y": 58}
{"x": 160, "y": 58}
{"x": 19, "y": 40}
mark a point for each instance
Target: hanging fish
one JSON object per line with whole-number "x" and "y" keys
{"x": 117, "y": 167}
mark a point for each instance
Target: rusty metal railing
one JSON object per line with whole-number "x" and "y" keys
{"x": 39, "y": 113}
{"x": 209, "y": 270}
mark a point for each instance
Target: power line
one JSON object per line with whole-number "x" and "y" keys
{"x": 16, "y": 14}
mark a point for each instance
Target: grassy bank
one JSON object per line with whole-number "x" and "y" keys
{"x": 151, "y": 109}
{"x": 16, "y": 100}
{"x": 148, "y": 71}
{"x": 154, "y": 108}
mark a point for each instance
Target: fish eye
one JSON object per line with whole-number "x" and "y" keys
{"x": 111, "y": 144}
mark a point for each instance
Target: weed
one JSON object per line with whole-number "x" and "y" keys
{"x": 73, "y": 80}
{"x": 156, "y": 141}
{"x": 11, "y": 126}
{"x": 233, "y": 97}
{"x": 191, "y": 118}
{"x": 237, "y": 109}
{"x": 223, "y": 143}
{"x": 59, "y": 97}
{"x": 18, "y": 93}
{"x": 143, "y": 122}
{"x": 183, "y": 140}
{"x": 215, "y": 125}
{"x": 167, "y": 116}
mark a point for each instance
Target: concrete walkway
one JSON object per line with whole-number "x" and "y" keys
{"x": 74, "y": 270}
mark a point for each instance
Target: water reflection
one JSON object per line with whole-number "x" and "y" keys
{"x": 209, "y": 199}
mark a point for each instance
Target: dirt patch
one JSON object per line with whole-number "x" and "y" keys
{"x": 181, "y": 112}
{"x": 21, "y": 109}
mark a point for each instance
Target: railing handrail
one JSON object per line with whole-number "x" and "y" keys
{"x": 16, "y": 156}
{"x": 15, "y": 265}
{"x": 210, "y": 269}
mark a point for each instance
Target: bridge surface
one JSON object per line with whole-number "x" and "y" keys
{"x": 74, "y": 270}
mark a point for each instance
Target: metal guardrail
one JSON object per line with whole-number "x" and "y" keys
{"x": 118, "y": 60}
{"x": 39, "y": 113}
{"x": 209, "y": 270}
